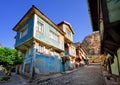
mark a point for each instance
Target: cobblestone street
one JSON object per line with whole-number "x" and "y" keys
{"x": 87, "y": 75}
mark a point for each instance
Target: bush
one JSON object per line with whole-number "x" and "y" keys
{"x": 13, "y": 69}
{"x": 8, "y": 74}
{"x": 5, "y": 78}
{"x": 0, "y": 78}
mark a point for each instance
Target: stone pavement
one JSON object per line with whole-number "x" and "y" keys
{"x": 15, "y": 80}
{"x": 111, "y": 81}
{"x": 87, "y": 75}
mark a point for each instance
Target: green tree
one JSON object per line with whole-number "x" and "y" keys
{"x": 9, "y": 58}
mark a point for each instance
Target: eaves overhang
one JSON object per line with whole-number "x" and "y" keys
{"x": 68, "y": 24}
{"x": 93, "y": 11}
{"x": 34, "y": 10}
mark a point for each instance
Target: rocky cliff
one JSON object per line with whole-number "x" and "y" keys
{"x": 92, "y": 43}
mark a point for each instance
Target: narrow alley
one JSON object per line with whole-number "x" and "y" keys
{"x": 86, "y": 75}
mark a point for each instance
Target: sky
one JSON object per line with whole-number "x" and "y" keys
{"x": 73, "y": 11}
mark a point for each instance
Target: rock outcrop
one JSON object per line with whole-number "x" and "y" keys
{"x": 92, "y": 43}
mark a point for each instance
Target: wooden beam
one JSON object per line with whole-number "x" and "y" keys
{"x": 109, "y": 51}
{"x": 22, "y": 50}
{"x": 111, "y": 43}
{"x": 115, "y": 36}
{"x": 27, "y": 45}
{"x": 111, "y": 46}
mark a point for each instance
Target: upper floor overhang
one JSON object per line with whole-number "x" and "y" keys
{"x": 93, "y": 11}
{"x": 101, "y": 10}
{"x": 34, "y": 10}
{"x": 67, "y": 40}
{"x": 23, "y": 47}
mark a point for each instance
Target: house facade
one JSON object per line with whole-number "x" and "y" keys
{"x": 81, "y": 55}
{"x": 69, "y": 47}
{"x": 105, "y": 19}
{"x": 41, "y": 42}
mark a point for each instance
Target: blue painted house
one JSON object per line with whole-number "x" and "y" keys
{"x": 70, "y": 49}
{"x": 41, "y": 42}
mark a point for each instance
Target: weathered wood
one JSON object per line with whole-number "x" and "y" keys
{"x": 111, "y": 43}
{"x": 115, "y": 36}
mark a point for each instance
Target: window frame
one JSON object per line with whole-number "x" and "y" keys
{"x": 40, "y": 27}
{"x": 40, "y": 48}
{"x": 54, "y": 36}
{"x": 24, "y": 31}
{"x": 68, "y": 32}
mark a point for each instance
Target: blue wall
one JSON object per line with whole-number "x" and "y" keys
{"x": 45, "y": 36}
{"x": 66, "y": 53}
{"x": 46, "y": 63}
{"x": 67, "y": 65}
{"x": 28, "y": 59}
{"x": 29, "y": 35}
